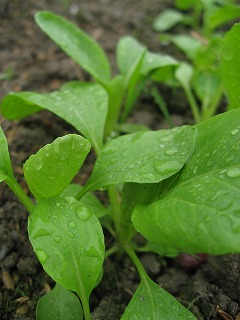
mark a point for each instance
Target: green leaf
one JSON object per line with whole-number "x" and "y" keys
{"x": 189, "y": 45}
{"x": 89, "y": 200}
{"x": 156, "y": 61}
{"x": 230, "y": 65}
{"x": 221, "y": 15}
{"x": 115, "y": 88}
{"x": 59, "y": 304}
{"x": 208, "y": 87}
{"x": 76, "y": 43}
{"x": 185, "y": 4}
{"x": 82, "y": 105}
{"x": 184, "y": 75}
{"x": 52, "y": 168}
{"x": 5, "y": 162}
{"x": 200, "y": 212}
{"x": 17, "y": 106}
{"x": 68, "y": 241}
{"x": 143, "y": 157}
{"x": 166, "y": 20}
{"x": 128, "y": 52}
{"x": 152, "y": 302}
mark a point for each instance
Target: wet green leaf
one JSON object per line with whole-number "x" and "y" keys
{"x": 68, "y": 241}
{"x": 200, "y": 212}
{"x": 230, "y": 65}
{"x": 143, "y": 157}
{"x": 5, "y": 162}
{"x": 59, "y": 304}
{"x": 89, "y": 200}
{"x": 76, "y": 43}
{"x": 82, "y": 105}
{"x": 52, "y": 168}
{"x": 152, "y": 302}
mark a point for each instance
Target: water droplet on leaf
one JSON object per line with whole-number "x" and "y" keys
{"x": 171, "y": 151}
{"x": 42, "y": 255}
{"x": 38, "y": 163}
{"x": 233, "y": 172}
{"x": 57, "y": 239}
{"x": 83, "y": 213}
{"x": 234, "y": 132}
{"x": 71, "y": 224}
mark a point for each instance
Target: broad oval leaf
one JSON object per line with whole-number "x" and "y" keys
{"x": 68, "y": 241}
{"x": 167, "y": 19}
{"x": 200, "y": 213}
{"x": 76, "y": 43}
{"x": 143, "y": 157}
{"x": 59, "y": 304}
{"x": 5, "y": 162}
{"x": 52, "y": 168}
{"x": 230, "y": 65}
{"x": 83, "y": 105}
{"x": 152, "y": 302}
{"x": 128, "y": 53}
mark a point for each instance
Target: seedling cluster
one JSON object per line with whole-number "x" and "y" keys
{"x": 179, "y": 188}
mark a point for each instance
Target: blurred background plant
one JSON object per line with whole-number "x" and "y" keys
{"x": 202, "y": 25}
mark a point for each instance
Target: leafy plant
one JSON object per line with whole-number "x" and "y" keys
{"x": 200, "y": 75}
{"x": 179, "y": 187}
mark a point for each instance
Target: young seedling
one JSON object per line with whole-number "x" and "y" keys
{"x": 200, "y": 74}
{"x": 179, "y": 188}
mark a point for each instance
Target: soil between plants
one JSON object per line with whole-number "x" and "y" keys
{"x": 30, "y": 61}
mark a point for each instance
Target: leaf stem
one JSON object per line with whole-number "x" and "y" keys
{"x": 193, "y": 105}
{"x": 16, "y": 188}
{"x": 128, "y": 249}
{"x": 111, "y": 251}
{"x": 116, "y": 210}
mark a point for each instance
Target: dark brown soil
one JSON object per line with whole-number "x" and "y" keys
{"x": 30, "y": 61}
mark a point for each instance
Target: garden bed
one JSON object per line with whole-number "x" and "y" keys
{"x": 32, "y": 62}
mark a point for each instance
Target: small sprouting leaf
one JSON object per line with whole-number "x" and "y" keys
{"x": 143, "y": 157}
{"x": 76, "y": 43}
{"x": 184, "y": 75}
{"x": 152, "y": 302}
{"x": 200, "y": 212}
{"x": 230, "y": 65}
{"x": 167, "y": 20}
{"x": 189, "y": 45}
{"x": 52, "y": 168}
{"x": 129, "y": 50}
{"x": 154, "y": 61}
{"x": 60, "y": 304}
{"x": 5, "y": 162}
{"x": 68, "y": 241}
{"x": 89, "y": 200}
{"x": 83, "y": 105}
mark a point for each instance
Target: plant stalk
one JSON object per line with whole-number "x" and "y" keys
{"x": 16, "y": 188}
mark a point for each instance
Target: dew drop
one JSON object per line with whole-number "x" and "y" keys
{"x": 57, "y": 239}
{"x": 42, "y": 255}
{"x": 71, "y": 224}
{"x": 83, "y": 213}
{"x": 167, "y": 167}
{"x": 71, "y": 235}
{"x": 53, "y": 218}
{"x": 56, "y": 146}
{"x": 171, "y": 151}
{"x": 234, "y": 132}
{"x": 38, "y": 164}
{"x": 227, "y": 54}
{"x": 233, "y": 172}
